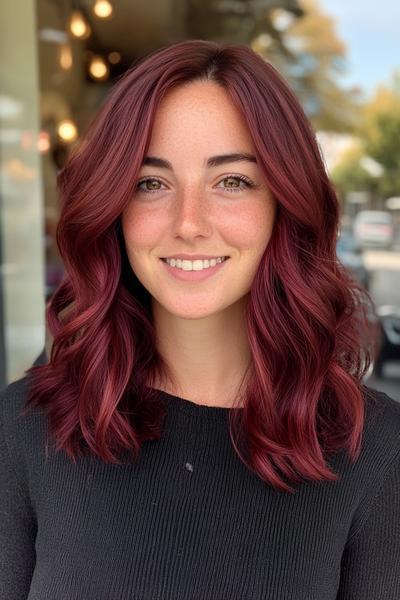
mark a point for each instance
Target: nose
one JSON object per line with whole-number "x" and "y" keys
{"x": 192, "y": 212}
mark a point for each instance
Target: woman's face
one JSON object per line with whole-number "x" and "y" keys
{"x": 196, "y": 208}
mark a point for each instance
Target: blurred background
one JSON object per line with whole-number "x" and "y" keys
{"x": 58, "y": 59}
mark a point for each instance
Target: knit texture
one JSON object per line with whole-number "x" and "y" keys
{"x": 189, "y": 521}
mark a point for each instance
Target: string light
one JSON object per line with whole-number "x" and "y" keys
{"x": 98, "y": 68}
{"x": 114, "y": 57}
{"x": 103, "y": 9}
{"x": 67, "y": 131}
{"x": 65, "y": 57}
{"x": 78, "y": 25}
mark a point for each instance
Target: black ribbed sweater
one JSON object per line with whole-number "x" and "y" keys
{"x": 189, "y": 521}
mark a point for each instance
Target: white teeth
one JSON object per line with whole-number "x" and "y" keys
{"x": 195, "y": 265}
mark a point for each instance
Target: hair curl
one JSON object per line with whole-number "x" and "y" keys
{"x": 306, "y": 318}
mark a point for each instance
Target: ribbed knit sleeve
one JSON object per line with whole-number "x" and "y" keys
{"x": 370, "y": 568}
{"x": 17, "y": 520}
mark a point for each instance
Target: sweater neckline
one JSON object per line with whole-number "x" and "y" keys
{"x": 194, "y": 409}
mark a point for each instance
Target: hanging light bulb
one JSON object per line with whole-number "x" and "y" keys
{"x": 114, "y": 57}
{"x": 103, "y": 9}
{"x": 78, "y": 25}
{"x": 98, "y": 68}
{"x": 67, "y": 131}
{"x": 65, "y": 57}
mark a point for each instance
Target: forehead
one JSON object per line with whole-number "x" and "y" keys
{"x": 194, "y": 94}
{"x": 197, "y": 114}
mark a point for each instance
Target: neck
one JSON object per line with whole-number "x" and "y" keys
{"x": 208, "y": 357}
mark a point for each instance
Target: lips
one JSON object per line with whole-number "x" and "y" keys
{"x": 193, "y": 275}
{"x": 192, "y": 258}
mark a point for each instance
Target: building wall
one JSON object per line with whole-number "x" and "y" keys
{"x": 21, "y": 209}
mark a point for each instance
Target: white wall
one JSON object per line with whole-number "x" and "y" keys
{"x": 21, "y": 210}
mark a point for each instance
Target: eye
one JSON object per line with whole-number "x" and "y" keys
{"x": 153, "y": 189}
{"x": 237, "y": 183}
{"x": 240, "y": 182}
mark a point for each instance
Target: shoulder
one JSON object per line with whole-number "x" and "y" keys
{"x": 382, "y": 419}
{"x": 380, "y": 444}
{"x": 372, "y": 481}
{"x": 19, "y": 427}
{"x": 12, "y": 451}
{"x": 12, "y": 400}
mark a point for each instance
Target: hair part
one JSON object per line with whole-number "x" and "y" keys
{"x": 306, "y": 318}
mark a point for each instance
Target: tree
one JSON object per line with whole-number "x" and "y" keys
{"x": 297, "y": 38}
{"x": 238, "y": 21}
{"x": 380, "y": 130}
{"x": 316, "y": 58}
{"x": 379, "y": 134}
{"x": 350, "y": 176}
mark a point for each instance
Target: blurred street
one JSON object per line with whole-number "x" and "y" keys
{"x": 385, "y": 289}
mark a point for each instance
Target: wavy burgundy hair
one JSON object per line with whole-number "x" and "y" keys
{"x": 306, "y": 318}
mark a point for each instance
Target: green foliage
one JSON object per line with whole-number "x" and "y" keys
{"x": 236, "y": 21}
{"x": 314, "y": 58}
{"x": 349, "y": 175}
{"x": 308, "y": 51}
{"x": 379, "y": 133}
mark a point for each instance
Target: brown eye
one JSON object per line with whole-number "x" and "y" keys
{"x": 236, "y": 183}
{"x": 154, "y": 185}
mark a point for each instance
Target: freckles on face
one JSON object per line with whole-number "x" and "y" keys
{"x": 141, "y": 226}
{"x": 142, "y": 232}
{"x": 190, "y": 209}
{"x": 192, "y": 123}
{"x": 246, "y": 230}
{"x": 250, "y": 228}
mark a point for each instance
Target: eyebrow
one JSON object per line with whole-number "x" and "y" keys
{"x": 212, "y": 161}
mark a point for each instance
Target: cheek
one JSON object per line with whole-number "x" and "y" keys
{"x": 140, "y": 228}
{"x": 252, "y": 227}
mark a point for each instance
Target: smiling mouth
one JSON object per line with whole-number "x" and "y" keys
{"x": 198, "y": 267}
{"x": 193, "y": 259}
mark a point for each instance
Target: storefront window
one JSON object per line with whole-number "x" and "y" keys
{"x": 21, "y": 213}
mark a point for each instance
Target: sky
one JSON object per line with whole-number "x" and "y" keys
{"x": 371, "y": 31}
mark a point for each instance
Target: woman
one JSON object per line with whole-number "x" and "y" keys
{"x": 200, "y": 429}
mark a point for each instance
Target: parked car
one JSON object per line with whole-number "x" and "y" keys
{"x": 374, "y": 228}
{"x": 351, "y": 257}
{"x": 389, "y": 322}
